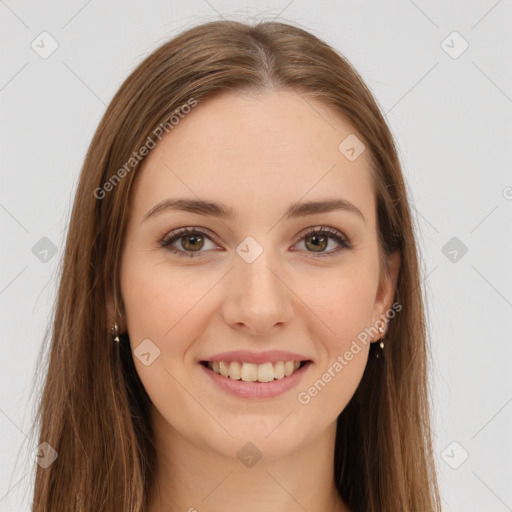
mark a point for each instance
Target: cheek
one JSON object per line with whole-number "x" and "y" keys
{"x": 162, "y": 302}
{"x": 344, "y": 307}
{"x": 148, "y": 303}
{"x": 343, "y": 301}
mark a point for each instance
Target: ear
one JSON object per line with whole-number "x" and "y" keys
{"x": 387, "y": 288}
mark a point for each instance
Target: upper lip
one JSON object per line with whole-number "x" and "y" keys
{"x": 272, "y": 356}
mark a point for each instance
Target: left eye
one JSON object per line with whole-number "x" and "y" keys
{"x": 193, "y": 240}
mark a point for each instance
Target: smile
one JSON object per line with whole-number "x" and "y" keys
{"x": 242, "y": 379}
{"x": 251, "y": 372}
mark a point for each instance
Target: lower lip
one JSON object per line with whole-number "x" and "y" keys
{"x": 257, "y": 390}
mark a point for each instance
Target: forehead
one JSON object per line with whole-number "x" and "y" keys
{"x": 254, "y": 153}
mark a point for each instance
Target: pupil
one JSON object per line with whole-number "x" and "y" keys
{"x": 194, "y": 239}
{"x": 317, "y": 240}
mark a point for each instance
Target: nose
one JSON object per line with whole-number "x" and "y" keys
{"x": 257, "y": 300}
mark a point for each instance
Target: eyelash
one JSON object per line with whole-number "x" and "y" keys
{"x": 169, "y": 239}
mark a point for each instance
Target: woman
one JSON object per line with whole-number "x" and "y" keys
{"x": 239, "y": 322}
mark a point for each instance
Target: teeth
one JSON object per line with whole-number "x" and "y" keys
{"x": 235, "y": 370}
{"x": 279, "y": 370}
{"x": 265, "y": 372}
{"x": 224, "y": 369}
{"x": 251, "y": 372}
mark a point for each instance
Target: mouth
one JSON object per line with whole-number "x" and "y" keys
{"x": 251, "y": 372}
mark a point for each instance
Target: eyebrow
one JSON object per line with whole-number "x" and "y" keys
{"x": 220, "y": 210}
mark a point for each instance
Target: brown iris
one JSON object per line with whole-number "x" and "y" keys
{"x": 319, "y": 242}
{"x": 188, "y": 242}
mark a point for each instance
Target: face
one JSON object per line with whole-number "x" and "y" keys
{"x": 256, "y": 281}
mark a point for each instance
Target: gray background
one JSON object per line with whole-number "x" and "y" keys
{"x": 451, "y": 118}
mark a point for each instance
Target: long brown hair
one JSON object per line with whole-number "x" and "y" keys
{"x": 94, "y": 410}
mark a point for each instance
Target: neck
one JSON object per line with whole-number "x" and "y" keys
{"x": 196, "y": 478}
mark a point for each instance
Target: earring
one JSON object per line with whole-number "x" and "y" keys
{"x": 115, "y": 331}
{"x": 381, "y": 344}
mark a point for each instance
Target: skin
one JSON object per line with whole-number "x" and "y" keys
{"x": 272, "y": 149}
